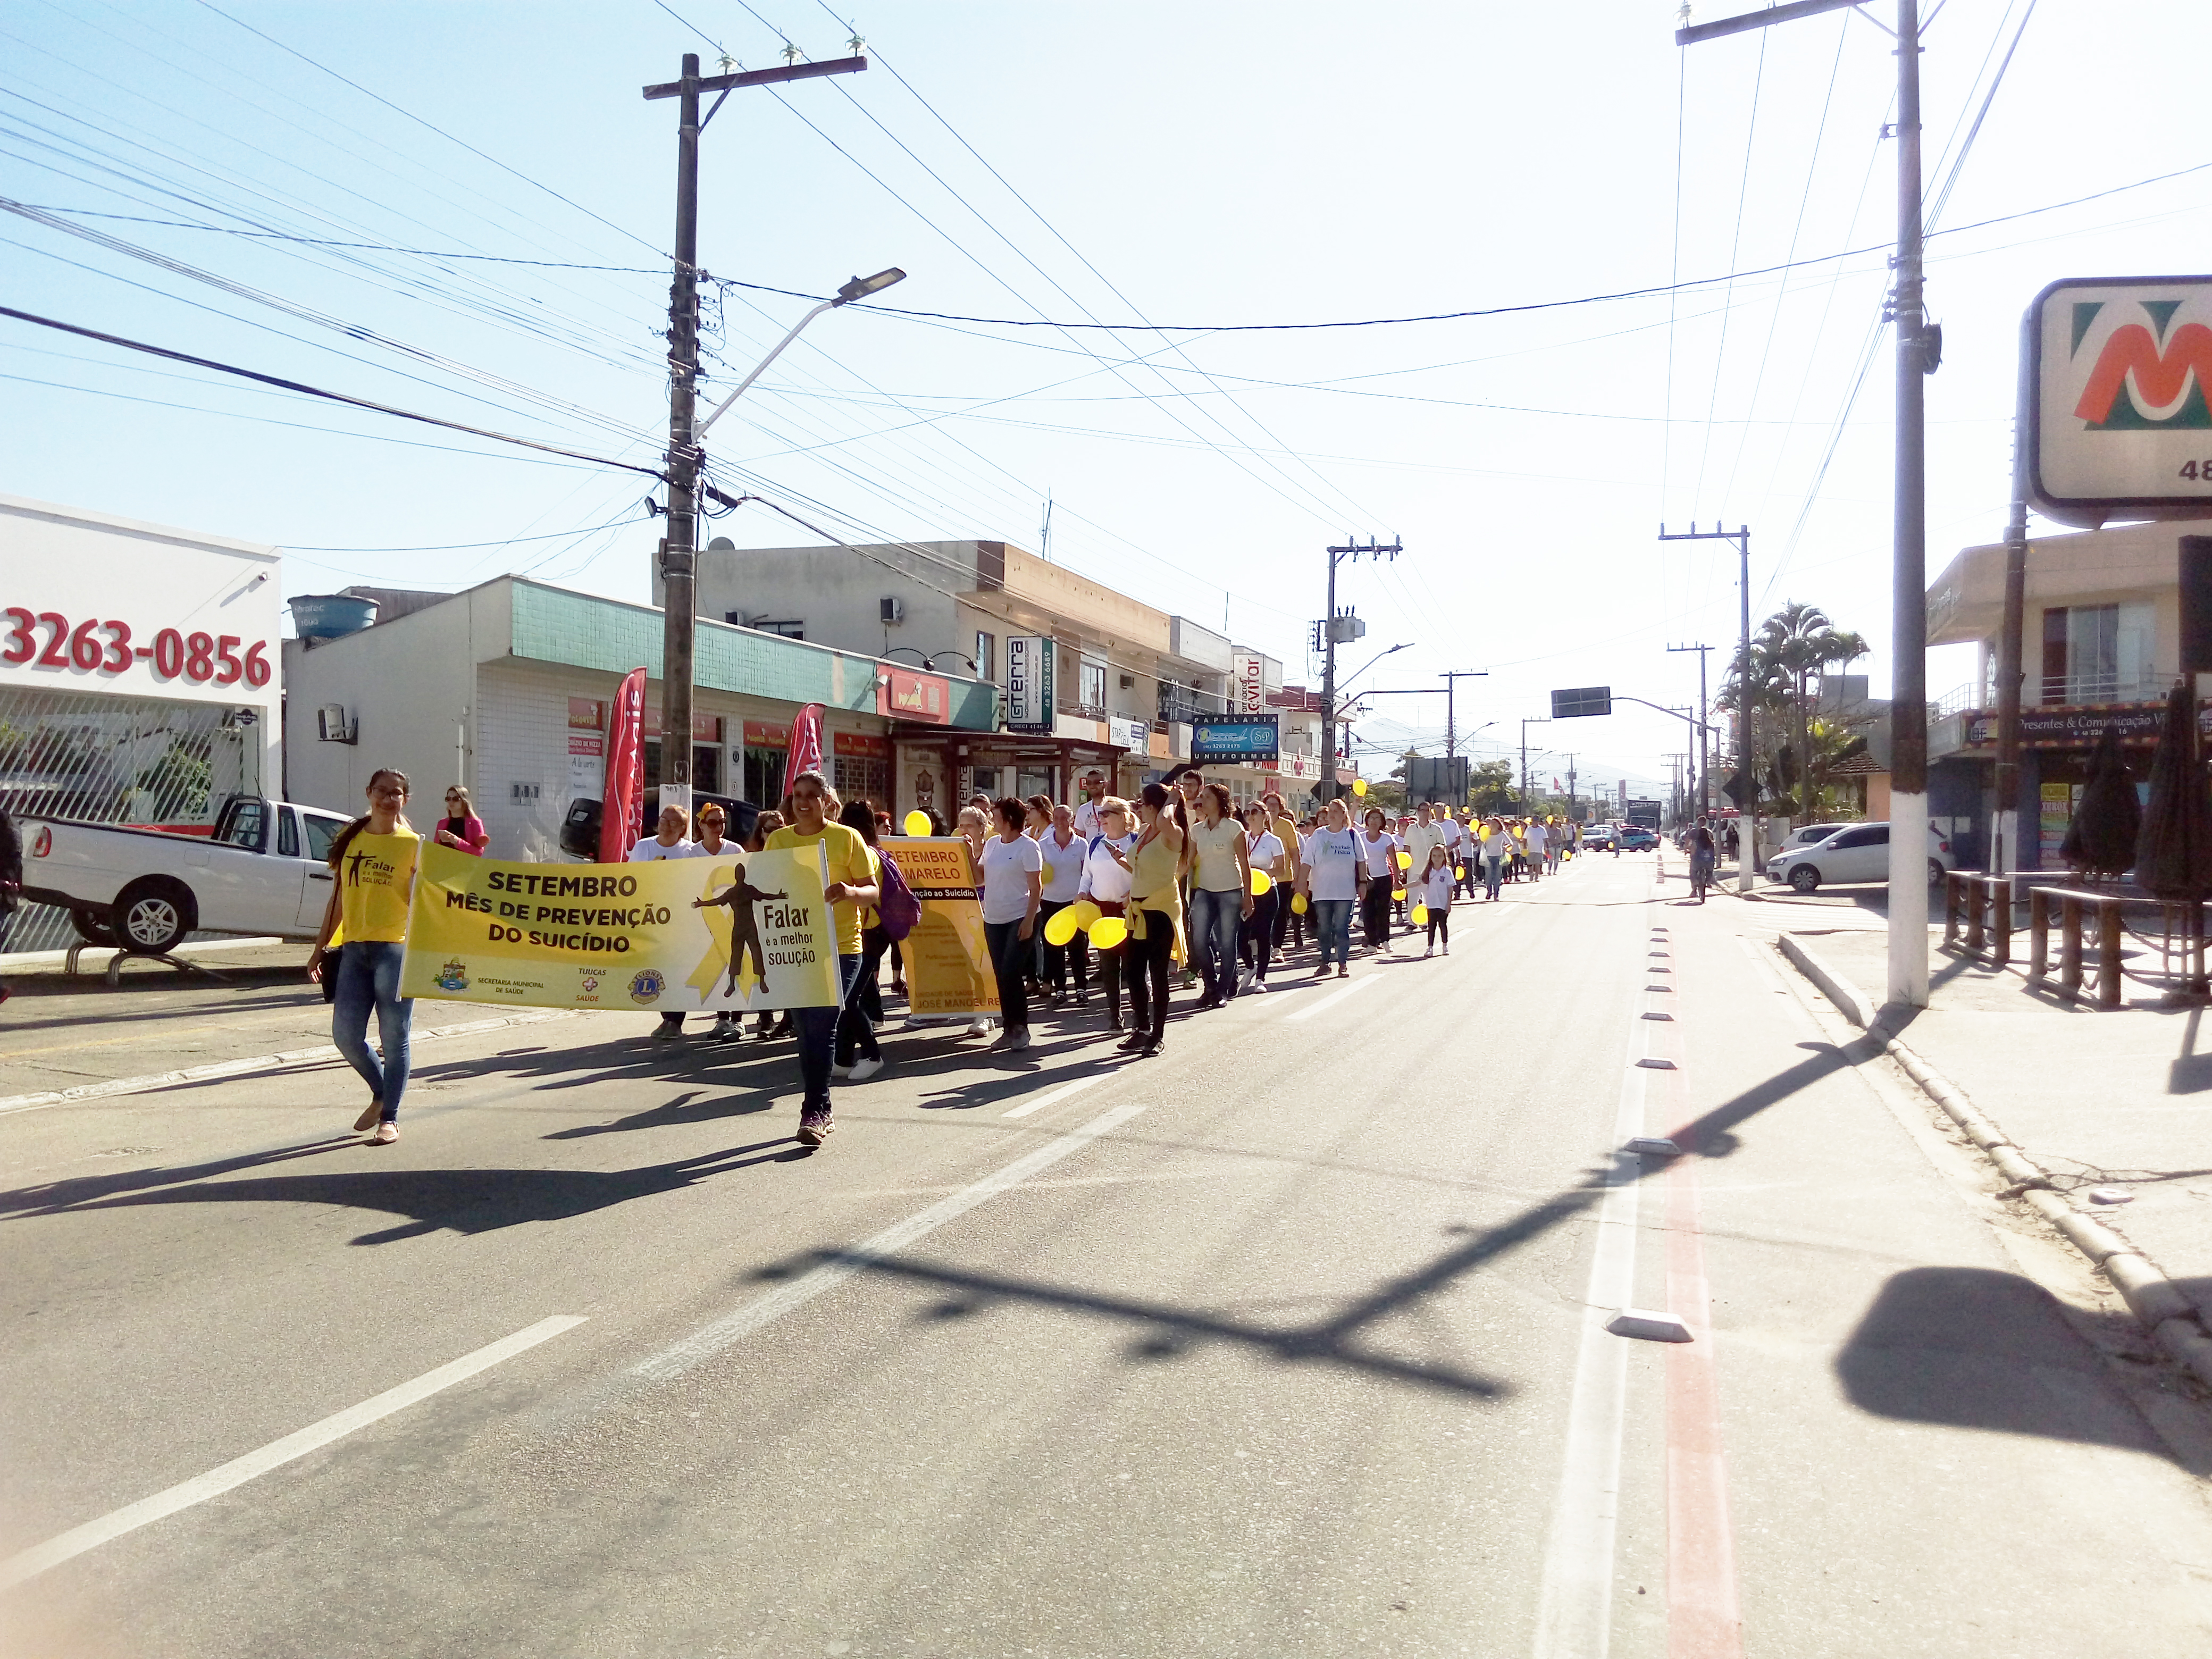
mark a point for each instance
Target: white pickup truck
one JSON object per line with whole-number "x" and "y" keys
{"x": 260, "y": 870}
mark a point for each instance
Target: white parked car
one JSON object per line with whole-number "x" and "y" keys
{"x": 259, "y": 870}
{"x": 1810, "y": 835}
{"x": 1855, "y": 853}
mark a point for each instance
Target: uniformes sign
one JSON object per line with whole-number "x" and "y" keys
{"x": 2117, "y": 375}
{"x": 740, "y": 931}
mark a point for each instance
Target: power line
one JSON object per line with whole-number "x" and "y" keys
{"x": 318, "y": 391}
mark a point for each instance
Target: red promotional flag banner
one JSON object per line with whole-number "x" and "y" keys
{"x": 625, "y": 781}
{"x": 805, "y": 754}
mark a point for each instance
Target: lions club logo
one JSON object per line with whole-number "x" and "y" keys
{"x": 453, "y": 976}
{"x": 648, "y": 985}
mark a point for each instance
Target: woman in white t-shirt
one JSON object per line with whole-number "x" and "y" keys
{"x": 1106, "y": 884}
{"x": 1378, "y": 851}
{"x": 1064, "y": 852}
{"x": 1013, "y": 887}
{"x": 1333, "y": 875}
{"x": 1264, "y": 853}
{"x": 668, "y": 843}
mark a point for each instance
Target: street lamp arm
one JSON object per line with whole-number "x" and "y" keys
{"x": 699, "y": 432}
{"x": 1348, "y": 701}
{"x": 1622, "y": 697}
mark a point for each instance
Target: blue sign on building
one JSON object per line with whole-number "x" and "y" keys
{"x": 1240, "y": 741}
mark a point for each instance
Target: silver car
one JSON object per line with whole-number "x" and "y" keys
{"x": 1855, "y": 853}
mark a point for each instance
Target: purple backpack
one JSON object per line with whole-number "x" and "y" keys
{"x": 896, "y": 908}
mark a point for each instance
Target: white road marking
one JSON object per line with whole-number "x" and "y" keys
{"x": 1330, "y": 1000}
{"x": 132, "y": 1086}
{"x": 236, "y": 1472}
{"x": 703, "y": 1344}
{"x": 1055, "y": 1097}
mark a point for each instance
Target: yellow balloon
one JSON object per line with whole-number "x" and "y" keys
{"x": 1459, "y": 872}
{"x": 917, "y": 823}
{"x": 1420, "y": 916}
{"x": 1405, "y": 860}
{"x": 1398, "y": 895}
{"x": 1085, "y": 913}
{"x": 1298, "y": 904}
{"x": 1108, "y": 932}
{"x": 1062, "y": 928}
{"x": 1359, "y": 786}
{"x": 1261, "y": 883}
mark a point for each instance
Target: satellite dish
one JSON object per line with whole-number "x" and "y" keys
{"x": 721, "y": 544}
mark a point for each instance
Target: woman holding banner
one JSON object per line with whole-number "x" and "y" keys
{"x": 851, "y": 887}
{"x": 373, "y": 859}
{"x": 858, "y": 1055}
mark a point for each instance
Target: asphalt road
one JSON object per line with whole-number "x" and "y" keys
{"x": 1290, "y": 1341}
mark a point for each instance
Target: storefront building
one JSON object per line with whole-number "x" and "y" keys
{"x": 2102, "y": 645}
{"x": 140, "y": 680}
{"x": 507, "y": 688}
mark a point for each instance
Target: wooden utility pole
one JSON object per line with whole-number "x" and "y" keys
{"x": 679, "y": 548}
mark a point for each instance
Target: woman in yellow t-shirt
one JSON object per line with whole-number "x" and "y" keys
{"x": 373, "y": 859}
{"x": 852, "y": 887}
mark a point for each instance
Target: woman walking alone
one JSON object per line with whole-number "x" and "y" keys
{"x": 1155, "y": 928}
{"x": 373, "y": 859}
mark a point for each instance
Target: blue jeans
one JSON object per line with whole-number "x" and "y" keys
{"x": 1493, "y": 873}
{"x": 817, "y": 1031}
{"x": 368, "y": 977}
{"x": 1214, "y": 918}
{"x": 1333, "y": 928}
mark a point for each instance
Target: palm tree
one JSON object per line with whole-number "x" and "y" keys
{"x": 1759, "y": 713}
{"x": 1802, "y": 640}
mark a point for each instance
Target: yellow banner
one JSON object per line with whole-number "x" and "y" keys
{"x": 948, "y": 962}
{"x": 626, "y": 936}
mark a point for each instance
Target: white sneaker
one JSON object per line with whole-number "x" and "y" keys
{"x": 1431, "y": 952}
{"x": 1258, "y": 987}
{"x": 978, "y": 1027}
{"x": 1447, "y": 950}
{"x": 841, "y": 1071}
{"x": 863, "y": 1069}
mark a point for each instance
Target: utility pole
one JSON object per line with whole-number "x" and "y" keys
{"x": 1571, "y": 788}
{"x": 1533, "y": 720}
{"x": 1919, "y": 349}
{"x": 1701, "y": 783}
{"x": 1746, "y": 746}
{"x": 679, "y": 548}
{"x": 1336, "y": 628}
{"x": 1451, "y": 686}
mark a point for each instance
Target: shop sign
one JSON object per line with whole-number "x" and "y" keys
{"x": 1250, "y": 691}
{"x": 2074, "y": 727}
{"x": 1129, "y": 733}
{"x": 768, "y": 734}
{"x": 2118, "y": 376}
{"x": 587, "y": 765}
{"x": 586, "y": 715}
{"x": 1297, "y": 700}
{"x": 705, "y": 728}
{"x": 1236, "y": 741}
{"x": 89, "y": 607}
{"x": 863, "y": 746}
{"x": 1029, "y": 683}
{"x": 907, "y": 695}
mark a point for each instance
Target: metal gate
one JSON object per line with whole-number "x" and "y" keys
{"x": 132, "y": 761}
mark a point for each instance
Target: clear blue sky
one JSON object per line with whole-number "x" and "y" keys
{"x": 1137, "y": 163}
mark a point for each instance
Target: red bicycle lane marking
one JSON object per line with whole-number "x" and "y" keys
{"x": 1703, "y": 1618}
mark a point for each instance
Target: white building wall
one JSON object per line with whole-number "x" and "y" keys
{"x": 838, "y": 595}
{"x": 405, "y": 686}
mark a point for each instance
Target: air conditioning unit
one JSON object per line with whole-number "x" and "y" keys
{"x": 331, "y": 724}
{"x": 894, "y": 611}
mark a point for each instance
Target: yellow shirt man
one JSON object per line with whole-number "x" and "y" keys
{"x": 847, "y": 855}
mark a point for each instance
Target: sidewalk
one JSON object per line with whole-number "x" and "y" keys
{"x": 2118, "y": 1101}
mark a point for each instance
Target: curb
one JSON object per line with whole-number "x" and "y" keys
{"x": 2156, "y": 1302}
{"x": 221, "y": 1068}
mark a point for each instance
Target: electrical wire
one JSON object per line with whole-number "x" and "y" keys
{"x": 318, "y": 391}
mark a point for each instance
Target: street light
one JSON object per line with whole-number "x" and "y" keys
{"x": 859, "y": 288}
{"x": 929, "y": 659}
{"x": 1392, "y": 652}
